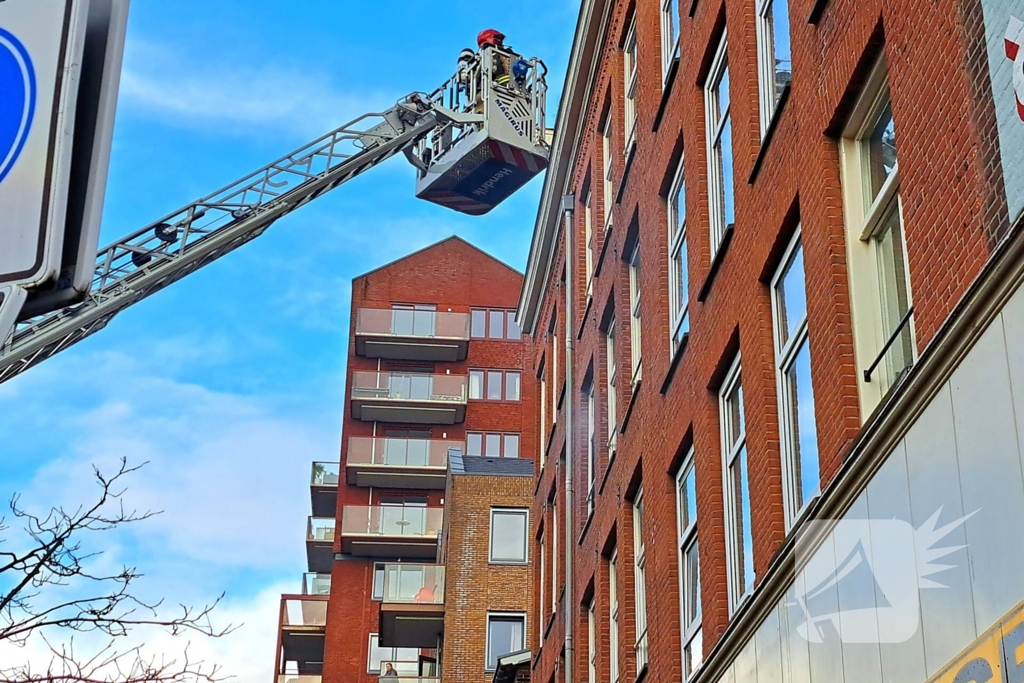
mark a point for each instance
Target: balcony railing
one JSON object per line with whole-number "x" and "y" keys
{"x": 303, "y": 612}
{"x": 408, "y": 323}
{"x": 408, "y": 679}
{"x": 316, "y": 584}
{"x": 320, "y": 529}
{"x": 414, "y": 584}
{"x": 299, "y": 678}
{"x": 326, "y": 474}
{"x": 391, "y": 520}
{"x": 398, "y": 452}
{"x": 409, "y": 386}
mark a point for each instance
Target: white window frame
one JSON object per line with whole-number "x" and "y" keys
{"x": 613, "y": 617}
{"x": 591, "y": 642}
{"x": 640, "y": 582}
{"x": 554, "y": 370}
{"x": 630, "y": 56}
{"x": 607, "y": 183}
{"x": 732, "y": 446}
{"x": 635, "y": 335}
{"x": 678, "y": 310}
{"x": 786, "y": 352}
{"x": 589, "y": 397}
{"x": 526, "y": 533}
{"x": 865, "y": 214}
{"x": 768, "y": 88}
{"x": 687, "y": 540}
{"x": 487, "y": 633}
{"x": 611, "y": 387}
{"x": 670, "y": 30}
{"x": 543, "y": 415}
{"x": 714, "y": 130}
{"x": 589, "y": 240}
{"x": 542, "y": 615}
{"x": 554, "y": 554}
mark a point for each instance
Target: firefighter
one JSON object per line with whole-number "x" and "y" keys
{"x": 502, "y": 66}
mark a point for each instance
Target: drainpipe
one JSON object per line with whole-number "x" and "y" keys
{"x": 568, "y": 201}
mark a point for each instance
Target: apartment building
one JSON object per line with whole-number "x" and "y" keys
{"x": 435, "y": 363}
{"x": 773, "y": 291}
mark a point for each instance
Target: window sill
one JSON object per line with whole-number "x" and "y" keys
{"x": 816, "y": 11}
{"x": 630, "y": 156}
{"x": 583, "y": 318}
{"x": 642, "y": 674}
{"x": 716, "y": 264}
{"x": 693, "y": 8}
{"x": 666, "y": 92}
{"x": 676, "y": 358}
{"x": 605, "y": 241}
{"x": 607, "y": 471}
{"x": 586, "y": 527}
{"x": 769, "y": 134}
{"x": 629, "y": 408}
{"x": 549, "y": 625}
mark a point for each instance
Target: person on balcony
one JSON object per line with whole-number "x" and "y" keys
{"x": 389, "y": 671}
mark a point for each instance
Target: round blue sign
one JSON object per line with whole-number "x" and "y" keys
{"x": 18, "y": 105}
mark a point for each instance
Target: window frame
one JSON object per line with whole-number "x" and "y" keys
{"x": 679, "y": 270}
{"x": 394, "y": 654}
{"x": 589, "y": 240}
{"x": 589, "y": 395}
{"x": 635, "y": 332}
{"x": 630, "y": 57}
{"x": 866, "y": 213}
{"x": 767, "y": 73}
{"x": 592, "y": 641}
{"x": 607, "y": 180}
{"x": 521, "y": 617}
{"x": 525, "y": 513}
{"x": 542, "y": 614}
{"x": 687, "y": 540}
{"x": 714, "y": 133}
{"x": 671, "y": 16}
{"x": 786, "y": 353}
{"x": 554, "y": 552}
{"x": 732, "y": 446}
{"x": 486, "y": 384}
{"x": 503, "y": 439}
{"x": 507, "y": 321}
{"x": 611, "y": 387}
{"x": 614, "y": 670}
{"x": 641, "y": 646}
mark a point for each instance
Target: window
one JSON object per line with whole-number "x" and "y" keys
{"x": 797, "y": 432}
{"x": 494, "y": 324}
{"x": 378, "y": 582}
{"x": 554, "y": 552}
{"x": 718, "y": 124}
{"x": 543, "y": 588}
{"x": 591, "y": 643}
{"x": 505, "y": 634}
{"x": 508, "y": 536}
{"x": 588, "y": 240}
{"x": 612, "y": 389}
{"x": 689, "y": 567}
{"x": 679, "y": 289}
{"x": 495, "y": 385}
{"x": 669, "y": 35}
{"x": 640, "y": 580}
{"x": 476, "y": 384}
{"x": 554, "y": 368}
{"x": 629, "y": 58}
{"x": 413, "y": 319}
{"x": 613, "y": 617}
{"x": 607, "y": 189}
{"x": 634, "y": 312}
{"x": 774, "y": 56}
{"x": 405, "y": 660}
{"x": 877, "y": 261}
{"x": 739, "y": 541}
{"x": 588, "y": 397}
{"x": 492, "y": 445}
{"x": 543, "y": 416}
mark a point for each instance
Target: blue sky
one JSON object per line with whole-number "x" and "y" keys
{"x": 231, "y": 382}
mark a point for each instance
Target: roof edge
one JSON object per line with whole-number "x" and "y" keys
{"x": 431, "y": 246}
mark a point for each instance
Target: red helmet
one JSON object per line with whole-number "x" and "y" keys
{"x": 491, "y": 37}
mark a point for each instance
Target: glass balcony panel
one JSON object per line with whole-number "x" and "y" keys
{"x": 316, "y": 584}
{"x": 391, "y": 520}
{"x": 320, "y": 529}
{"x": 394, "y": 386}
{"x": 326, "y": 473}
{"x": 400, "y": 452}
{"x": 412, "y": 323}
{"x": 303, "y": 612}
{"x": 414, "y": 584}
{"x": 298, "y": 678}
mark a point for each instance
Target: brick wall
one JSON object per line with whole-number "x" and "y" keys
{"x": 951, "y": 216}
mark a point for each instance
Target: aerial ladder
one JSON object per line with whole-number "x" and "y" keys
{"x": 474, "y": 141}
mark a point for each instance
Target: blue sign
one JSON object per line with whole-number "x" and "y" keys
{"x": 18, "y": 105}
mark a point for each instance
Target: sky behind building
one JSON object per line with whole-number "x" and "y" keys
{"x": 231, "y": 382}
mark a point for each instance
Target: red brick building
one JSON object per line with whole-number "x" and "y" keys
{"x": 772, "y": 293}
{"x": 435, "y": 365}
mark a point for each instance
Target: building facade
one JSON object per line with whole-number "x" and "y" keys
{"x": 772, "y": 291}
{"x": 435, "y": 364}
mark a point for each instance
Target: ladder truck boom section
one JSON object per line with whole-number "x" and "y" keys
{"x": 474, "y": 141}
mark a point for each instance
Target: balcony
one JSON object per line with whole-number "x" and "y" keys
{"x": 316, "y": 584}
{"x": 303, "y": 624}
{"x": 416, "y": 398}
{"x": 320, "y": 544}
{"x": 405, "y": 334}
{"x": 323, "y": 488}
{"x": 412, "y": 610}
{"x": 390, "y": 531}
{"x": 390, "y": 462}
